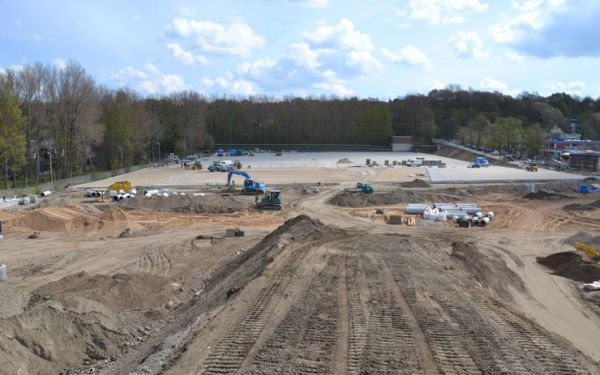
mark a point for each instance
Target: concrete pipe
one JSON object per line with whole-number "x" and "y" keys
{"x": 490, "y": 215}
{"x": 485, "y": 221}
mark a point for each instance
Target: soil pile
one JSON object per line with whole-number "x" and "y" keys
{"x": 416, "y": 183}
{"x": 544, "y": 195}
{"x": 583, "y": 207}
{"x": 113, "y": 214}
{"x": 209, "y": 203}
{"x": 349, "y": 199}
{"x": 491, "y": 272}
{"x": 570, "y": 265}
{"x": 55, "y": 219}
{"x": 116, "y": 293}
{"x": 344, "y": 161}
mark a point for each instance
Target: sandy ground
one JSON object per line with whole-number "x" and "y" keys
{"x": 179, "y": 177}
{"x": 307, "y": 168}
{"x": 345, "y": 294}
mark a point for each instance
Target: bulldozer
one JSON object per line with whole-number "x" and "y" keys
{"x": 197, "y": 165}
{"x": 532, "y": 167}
{"x": 270, "y": 201}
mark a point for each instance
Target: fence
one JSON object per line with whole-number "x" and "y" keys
{"x": 61, "y": 184}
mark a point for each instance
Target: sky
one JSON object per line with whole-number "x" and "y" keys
{"x": 369, "y": 49}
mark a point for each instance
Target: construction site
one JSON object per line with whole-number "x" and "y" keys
{"x": 306, "y": 263}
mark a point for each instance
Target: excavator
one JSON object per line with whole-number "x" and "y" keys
{"x": 250, "y": 185}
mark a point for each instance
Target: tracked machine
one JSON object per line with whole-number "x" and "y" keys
{"x": 271, "y": 200}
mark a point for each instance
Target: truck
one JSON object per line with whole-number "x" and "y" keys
{"x": 480, "y": 162}
{"x": 218, "y": 166}
{"x": 361, "y": 187}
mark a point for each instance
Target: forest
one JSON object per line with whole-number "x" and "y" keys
{"x": 63, "y": 119}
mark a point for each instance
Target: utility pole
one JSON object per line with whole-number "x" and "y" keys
{"x": 121, "y": 150}
{"x": 51, "y": 179}
{"x": 158, "y": 143}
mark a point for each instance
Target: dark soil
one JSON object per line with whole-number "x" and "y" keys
{"x": 544, "y": 195}
{"x": 583, "y": 207}
{"x": 570, "y": 265}
{"x": 416, "y": 183}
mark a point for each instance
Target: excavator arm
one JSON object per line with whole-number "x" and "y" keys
{"x": 237, "y": 172}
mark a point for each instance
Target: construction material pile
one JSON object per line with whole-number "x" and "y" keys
{"x": 464, "y": 215}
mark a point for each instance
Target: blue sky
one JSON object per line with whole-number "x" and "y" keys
{"x": 378, "y": 49}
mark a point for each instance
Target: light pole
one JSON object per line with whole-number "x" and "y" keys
{"x": 121, "y": 150}
{"x": 158, "y": 143}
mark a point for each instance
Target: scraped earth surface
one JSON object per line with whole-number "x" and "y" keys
{"x": 155, "y": 287}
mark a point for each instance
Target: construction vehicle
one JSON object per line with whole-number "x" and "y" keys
{"x": 121, "y": 185}
{"x": 480, "y": 162}
{"x": 217, "y": 166}
{"x": 361, "y": 187}
{"x": 250, "y": 185}
{"x": 587, "y": 248}
{"x": 237, "y": 164}
{"x": 270, "y": 201}
{"x": 197, "y": 165}
{"x": 532, "y": 167}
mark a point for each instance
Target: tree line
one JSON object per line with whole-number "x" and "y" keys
{"x": 62, "y": 120}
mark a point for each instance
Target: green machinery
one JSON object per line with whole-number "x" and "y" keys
{"x": 361, "y": 187}
{"x": 271, "y": 200}
{"x": 217, "y": 167}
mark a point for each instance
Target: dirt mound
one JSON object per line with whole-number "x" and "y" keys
{"x": 113, "y": 214}
{"x": 582, "y": 207}
{"x": 81, "y": 319}
{"x": 345, "y": 161}
{"x": 570, "y": 265}
{"x": 349, "y": 199}
{"x": 116, "y": 293}
{"x": 544, "y": 195}
{"x": 55, "y": 219}
{"x": 209, "y": 203}
{"x": 491, "y": 272}
{"x": 416, "y": 183}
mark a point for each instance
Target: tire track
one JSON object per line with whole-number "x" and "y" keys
{"x": 305, "y": 340}
{"x": 231, "y": 352}
{"x": 391, "y": 345}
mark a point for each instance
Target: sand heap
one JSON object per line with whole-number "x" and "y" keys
{"x": 345, "y": 161}
{"x": 209, "y": 203}
{"x": 53, "y": 219}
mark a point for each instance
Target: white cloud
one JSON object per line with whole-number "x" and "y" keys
{"x": 229, "y": 85}
{"x": 439, "y": 12}
{"x": 514, "y": 56}
{"x": 551, "y": 28}
{"x": 149, "y": 80}
{"x": 184, "y": 56}
{"x": 334, "y": 88}
{"x": 467, "y": 45}
{"x": 493, "y": 85}
{"x": 436, "y": 85}
{"x": 571, "y": 88}
{"x": 236, "y": 39}
{"x": 342, "y": 35}
{"x": 321, "y": 63}
{"x": 312, "y": 3}
{"x": 408, "y": 55}
{"x": 59, "y": 63}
